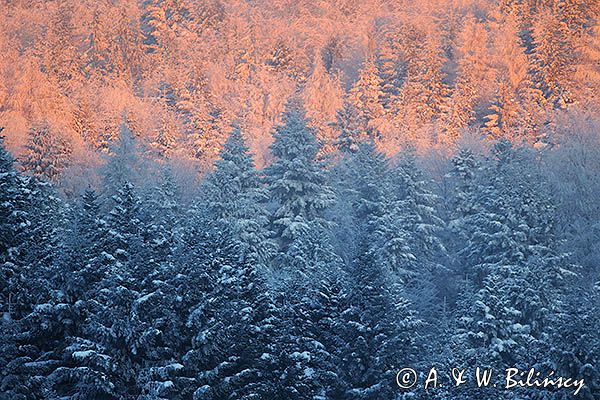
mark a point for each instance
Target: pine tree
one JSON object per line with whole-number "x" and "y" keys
{"x": 166, "y": 138}
{"x": 489, "y": 330}
{"x": 128, "y": 234}
{"x": 511, "y": 218}
{"x": 406, "y": 230}
{"x": 412, "y": 231}
{"x": 226, "y": 313}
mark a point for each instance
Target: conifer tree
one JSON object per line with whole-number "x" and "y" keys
{"x": 461, "y": 109}
{"x": 511, "y": 249}
{"x": 379, "y": 333}
{"x": 351, "y": 131}
{"x": 14, "y": 223}
{"x": 391, "y": 70}
{"x": 34, "y": 323}
{"x": 322, "y": 99}
{"x": 576, "y": 342}
{"x": 423, "y": 95}
{"x": 296, "y": 180}
{"x": 306, "y": 361}
{"x": 518, "y": 109}
{"x": 361, "y": 184}
{"x": 367, "y": 96}
{"x": 553, "y": 59}
{"x": 162, "y": 216}
{"x": 47, "y": 154}
{"x": 235, "y": 197}
{"x": 123, "y": 163}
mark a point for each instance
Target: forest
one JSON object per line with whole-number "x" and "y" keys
{"x": 181, "y": 72}
{"x": 314, "y": 278}
{"x": 296, "y": 200}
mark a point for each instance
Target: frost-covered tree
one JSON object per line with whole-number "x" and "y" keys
{"x": 87, "y": 251}
{"x": 367, "y": 96}
{"x": 391, "y": 69}
{"x": 423, "y": 94}
{"x": 306, "y": 361}
{"x": 234, "y": 197}
{"x": 406, "y": 229}
{"x": 228, "y": 315}
{"x": 576, "y": 341}
{"x": 511, "y": 218}
{"x": 296, "y": 180}
{"x": 350, "y": 130}
{"x": 465, "y": 174}
{"x": 361, "y": 184}
{"x": 514, "y": 260}
{"x": 379, "y": 332}
{"x": 34, "y": 323}
{"x": 47, "y": 154}
{"x": 129, "y": 235}
{"x": 14, "y": 223}
{"x": 462, "y": 107}
{"x": 106, "y": 352}
{"x": 162, "y": 215}
{"x": 517, "y": 110}
{"x": 553, "y": 59}
{"x": 419, "y": 206}
{"x": 123, "y": 163}
{"x": 322, "y": 99}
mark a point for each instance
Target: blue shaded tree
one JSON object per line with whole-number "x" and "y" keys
{"x": 296, "y": 179}
{"x": 46, "y": 153}
{"x": 235, "y": 199}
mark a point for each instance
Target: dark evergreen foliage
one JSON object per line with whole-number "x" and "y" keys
{"x": 302, "y": 281}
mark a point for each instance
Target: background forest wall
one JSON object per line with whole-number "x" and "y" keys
{"x": 179, "y": 73}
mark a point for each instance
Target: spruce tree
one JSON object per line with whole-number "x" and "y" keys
{"x": 14, "y": 223}
{"x": 379, "y": 332}
{"x": 46, "y": 153}
{"x": 367, "y": 96}
{"x": 361, "y": 184}
{"x": 296, "y": 182}
{"x": 516, "y": 265}
{"x": 235, "y": 196}
{"x": 35, "y": 321}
